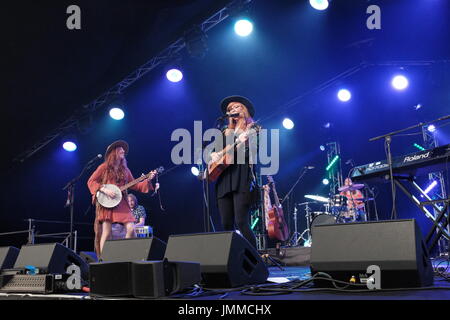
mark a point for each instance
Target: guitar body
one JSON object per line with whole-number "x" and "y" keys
{"x": 108, "y": 202}
{"x": 215, "y": 169}
{"x": 277, "y": 228}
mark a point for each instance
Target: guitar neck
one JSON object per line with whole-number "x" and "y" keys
{"x": 275, "y": 196}
{"x": 235, "y": 143}
{"x": 135, "y": 181}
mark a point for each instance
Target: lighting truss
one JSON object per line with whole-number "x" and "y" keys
{"x": 100, "y": 101}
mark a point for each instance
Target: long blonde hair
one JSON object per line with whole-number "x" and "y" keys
{"x": 243, "y": 123}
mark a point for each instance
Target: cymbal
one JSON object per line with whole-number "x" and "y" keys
{"x": 317, "y": 198}
{"x": 355, "y": 186}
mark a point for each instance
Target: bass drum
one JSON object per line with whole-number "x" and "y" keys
{"x": 322, "y": 219}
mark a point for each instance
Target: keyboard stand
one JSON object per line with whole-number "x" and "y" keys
{"x": 439, "y": 223}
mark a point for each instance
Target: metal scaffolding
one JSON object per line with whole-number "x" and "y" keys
{"x": 335, "y": 170}
{"x": 431, "y": 142}
{"x": 164, "y": 56}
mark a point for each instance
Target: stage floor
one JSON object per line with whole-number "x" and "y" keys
{"x": 295, "y": 274}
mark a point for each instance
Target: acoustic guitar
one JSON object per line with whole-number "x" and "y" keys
{"x": 277, "y": 228}
{"x": 215, "y": 168}
{"x": 108, "y": 202}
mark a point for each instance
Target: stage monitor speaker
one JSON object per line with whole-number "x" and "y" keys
{"x": 142, "y": 279}
{"x": 135, "y": 249}
{"x": 154, "y": 279}
{"x": 89, "y": 256}
{"x": 8, "y": 257}
{"x": 51, "y": 258}
{"x": 110, "y": 279}
{"x": 346, "y": 250}
{"x": 226, "y": 258}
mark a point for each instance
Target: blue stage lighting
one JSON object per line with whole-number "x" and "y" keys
{"x": 69, "y": 146}
{"x": 400, "y": 82}
{"x": 319, "y": 4}
{"x": 243, "y": 27}
{"x": 288, "y": 124}
{"x": 116, "y": 113}
{"x": 430, "y": 186}
{"x": 326, "y": 181}
{"x": 195, "y": 171}
{"x": 431, "y": 128}
{"x": 174, "y": 75}
{"x": 322, "y": 148}
{"x": 344, "y": 95}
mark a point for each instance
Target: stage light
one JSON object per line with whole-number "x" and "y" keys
{"x": 326, "y": 181}
{"x": 430, "y": 186}
{"x": 174, "y": 75}
{"x": 322, "y": 148}
{"x": 333, "y": 161}
{"x": 69, "y": 146}
{"x": 344, "y": 95}
{"x": 327, "y": 125}
{"x": 288, "y": 124}
{"x": 116, "y": 113}
{"x": 254, "y": 223}
{"x": 195, "y": 171}
{"x": 418, "y": 146}
{"x": 243, "y": 27}
{"x": 319, "y": 4}
{"x": 431, "y": 128}
{"x": 400, "y": 82}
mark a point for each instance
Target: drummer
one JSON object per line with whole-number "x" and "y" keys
{"x": 355, "y": 201}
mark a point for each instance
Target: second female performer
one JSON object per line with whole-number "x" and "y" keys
{"x": 114, "y": 171}
{"x": 236, "y": 187}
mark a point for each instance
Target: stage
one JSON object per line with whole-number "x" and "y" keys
{"x": 293, "y": 275}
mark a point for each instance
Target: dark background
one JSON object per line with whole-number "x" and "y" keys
{"x": 48, "y": 72}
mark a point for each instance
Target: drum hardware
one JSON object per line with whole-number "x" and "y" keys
{"x": 296, "y": 237}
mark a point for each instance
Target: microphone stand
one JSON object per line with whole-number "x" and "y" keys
{"x": 388, "y": 139}
{"x": 70, "y": 187}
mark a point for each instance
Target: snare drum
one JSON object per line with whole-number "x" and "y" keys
{"x": 143, "y": 232}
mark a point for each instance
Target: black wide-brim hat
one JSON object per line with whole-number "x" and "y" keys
{"x": 247, "y": 103}
{"x": 115, "y": 145}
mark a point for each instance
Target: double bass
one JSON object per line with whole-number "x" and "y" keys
{"x": 277, "y": 226}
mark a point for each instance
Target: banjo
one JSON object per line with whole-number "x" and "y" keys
{"x": 108, "y": 202}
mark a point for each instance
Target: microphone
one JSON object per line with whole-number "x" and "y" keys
{"x": 310, "y": 167}
{"x": 99, "y": 156}
{"x": 229, "y": 115}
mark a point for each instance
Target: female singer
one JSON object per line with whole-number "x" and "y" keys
{"x": 236, "y": 187}
{"x": 114, "y": 170}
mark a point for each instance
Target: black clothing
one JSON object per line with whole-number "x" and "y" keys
{"x": 236, "y": 192}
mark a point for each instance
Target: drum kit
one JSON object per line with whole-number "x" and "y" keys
{"x": 337, "y": 208}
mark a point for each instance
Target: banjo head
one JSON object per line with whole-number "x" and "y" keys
{"x": 106, "y": 201}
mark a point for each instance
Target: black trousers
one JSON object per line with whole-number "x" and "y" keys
{"x": 234, "y": 210}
